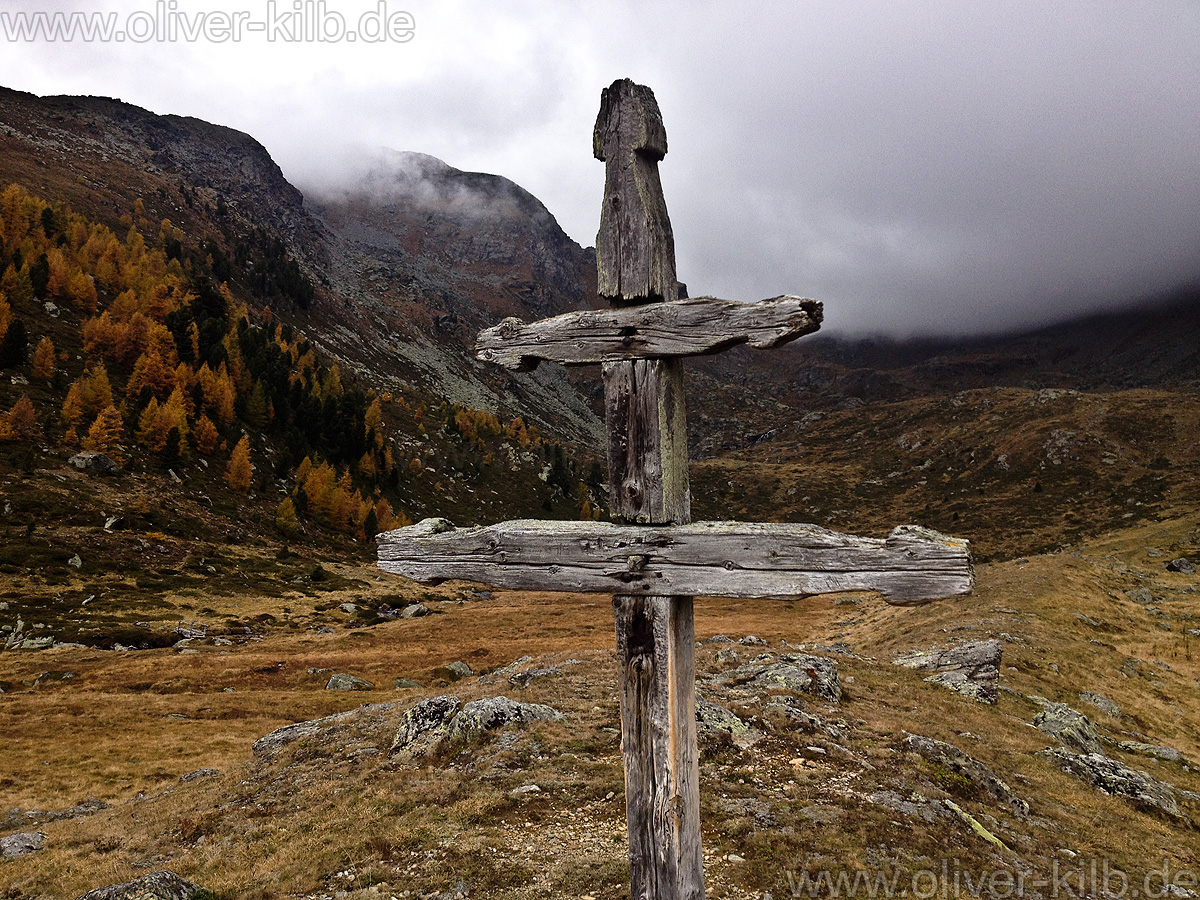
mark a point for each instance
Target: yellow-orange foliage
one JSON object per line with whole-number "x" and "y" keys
{"x": 237, "y": 475}
{"x": 107, "y": 434}
{"x": 20, "y": 423}
{"x": 285, "y": 517}
{"x": 87, "y": 396}
{"x": 206, "y": 436}
{"x": 44, "y": 360}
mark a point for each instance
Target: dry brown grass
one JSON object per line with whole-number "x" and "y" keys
{"x": 133, "y": 723}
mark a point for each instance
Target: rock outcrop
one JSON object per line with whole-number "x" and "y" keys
{"x": 161, "y": 885}
{"x": 971, "y": 669}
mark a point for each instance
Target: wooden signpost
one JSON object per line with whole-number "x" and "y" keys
{"x": 653, "y": 558}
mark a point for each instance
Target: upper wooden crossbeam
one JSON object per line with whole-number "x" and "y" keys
{"x": 692, "y": 327}
{"x": 715, "y": 559}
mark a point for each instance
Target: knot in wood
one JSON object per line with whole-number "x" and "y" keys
{"x": 637, "y": 563}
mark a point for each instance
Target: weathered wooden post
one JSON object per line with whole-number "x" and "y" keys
{"x": 651, "y": 557}
{"x": 648, "y": 485}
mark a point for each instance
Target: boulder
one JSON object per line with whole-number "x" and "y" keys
{"x": 1072, "y": 729}
{"x": 343, "y": 681}
{"x": 717, "y": 725}
{"x": 94, "y": 463}
{"x": 21, "y": 844}
{"x": 972, "y": 669}
{"x": 1118, "y": 779}
{"x": 414, "y": 611}
{"x": 795, "y": 672}
{"x": 440, "y": 721}
{"x": 1140, "y": 595}
{"x": 479, "y": 716}
{"x": 456, "y": 670}
{"x": 161, "y": 885}
{"x": 405, "y": 683}
{"x": 1182, "y": 565}
{"x": 959, "y": 763}
{"x": 424, "y": 725}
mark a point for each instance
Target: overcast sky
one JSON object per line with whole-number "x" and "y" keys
{"x": 920, "y": 167}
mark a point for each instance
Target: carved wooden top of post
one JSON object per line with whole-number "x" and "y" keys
{"x": 635, "y": 247}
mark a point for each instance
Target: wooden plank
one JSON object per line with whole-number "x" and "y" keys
{"x": 647, "y": 441}
{"x": 655, "y": 647}
{"x": 635, "y": 247}
{"x": 694, "y": 327}
{"x": 718, "y": 559}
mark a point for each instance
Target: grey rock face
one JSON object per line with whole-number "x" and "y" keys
{"x": 405, "y": 683}
{"x": 958, "y": 762}
{"x": 21, "y": 844}
{"x": 432, "y": 714}
{"x": 972, "y": 669}
{"x": 414, "y": 611}
{"x": 1182, "y": 565}
{"x": 342, "y": 681}
{"x": 162, "y": 885}
{"x": 1072, "y": 729}
{"x": 1118, "y": 779}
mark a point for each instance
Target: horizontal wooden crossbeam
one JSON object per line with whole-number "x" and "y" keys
{"x": 713, "y": 559}
{"x": 693, "y": 327}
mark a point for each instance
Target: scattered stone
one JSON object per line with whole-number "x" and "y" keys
{"x": 719, "y": 639}
{"x": 954, "y": 760}
{"x": 525, "y": 789}
{"x": 343, "y": 681}
{"x": 174, "y": 476}
{"x": 75, "y": 562}
{"x": 415, "y": 611}
{"x": 405, "y": 683}
{"x": 1118, "y": 779}
{"x": 916, "y": 805}
{"x": 94, "y": 463}
{"x": 523, "y": 679}
{"x": 1088, "y": 620}
{"x": 162, "y": 885}
{"x": 717, "y": 725}
{"x": 1182, "y": 565}
{"x": 752, "y": 641}
{"x": 198, "y": 774}
{"x": 1170, "y": 754}
{"x": 971, "y": 669}
{"x": 21, "y": 844}
{"x": 316, "y": 670}
{"x": 727, "y": 656}
{"x": 1072, "y": 729}
{"x": 1101, "y": 703}
{"x": 350, "y": 608}
{"x": 112, "y": 522}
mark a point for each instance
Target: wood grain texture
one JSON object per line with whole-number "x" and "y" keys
{"x": 635, "y": 247}
{"x": 717, "y": 559}
{"x": 647, "y": 441}
{"x": 655, "y": 647}
{"x": 692, "y": 327}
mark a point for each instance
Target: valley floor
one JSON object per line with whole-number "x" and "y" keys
{"x": 134, "y": 761}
